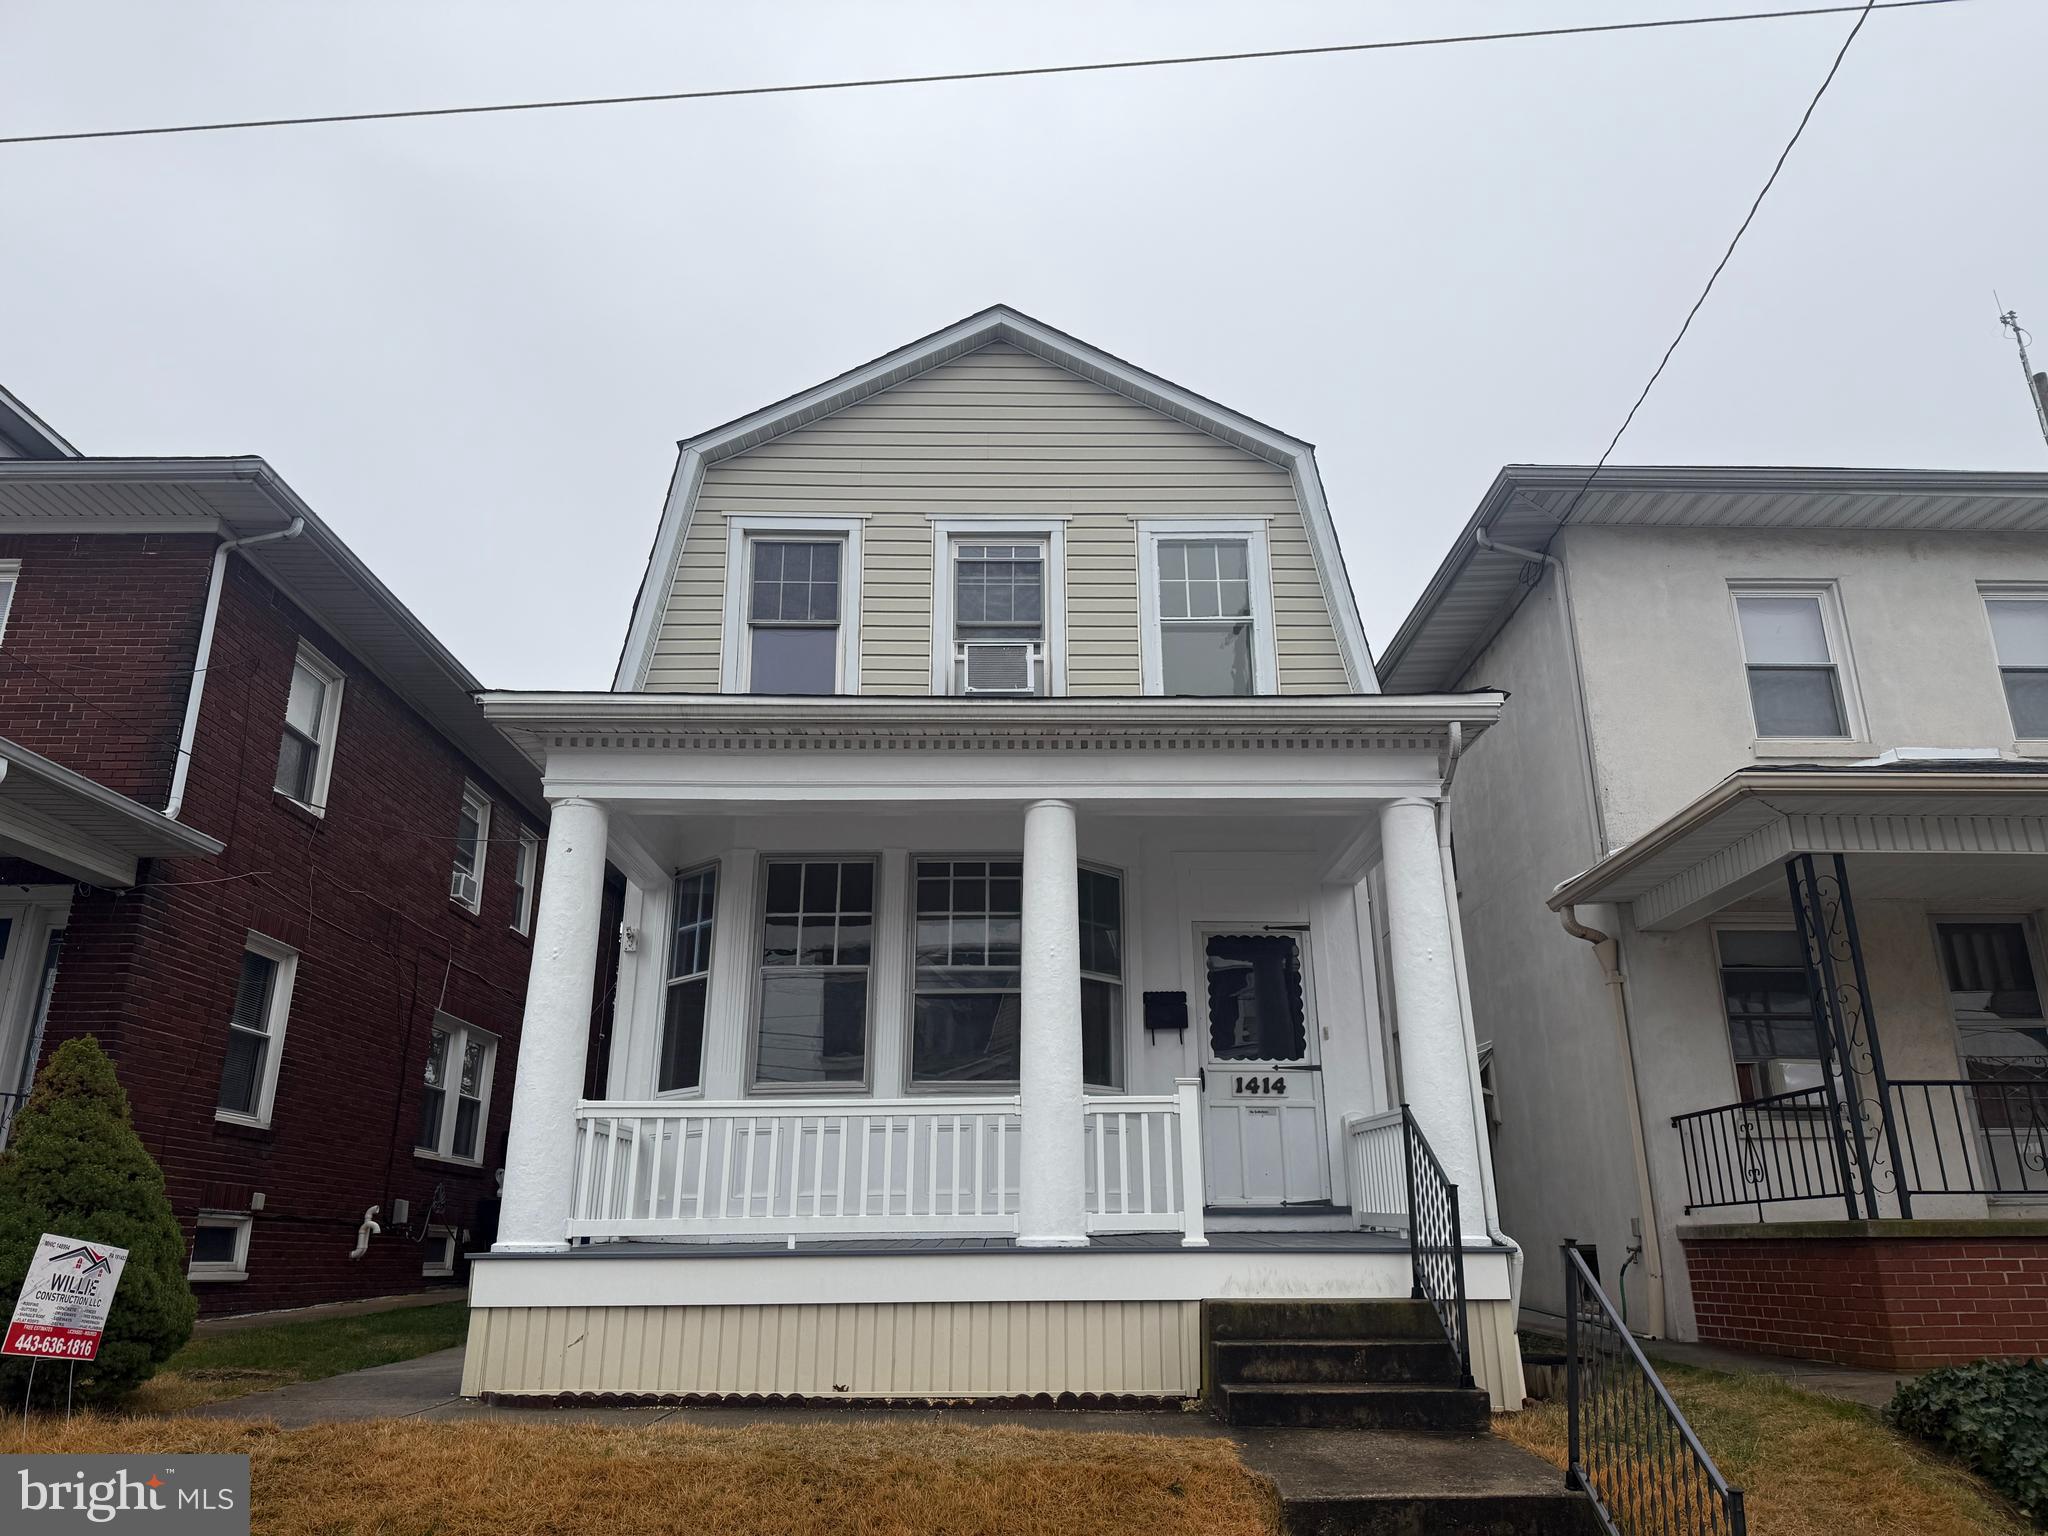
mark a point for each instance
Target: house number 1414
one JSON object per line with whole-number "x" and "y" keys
{"x": 1259, "y": 1086}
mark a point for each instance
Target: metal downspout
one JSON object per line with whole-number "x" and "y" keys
{"x": 181, "y": 771}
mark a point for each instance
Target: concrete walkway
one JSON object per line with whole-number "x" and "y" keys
{"x": 1852, "y": 1383}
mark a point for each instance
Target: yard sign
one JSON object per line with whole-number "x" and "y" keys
{"x": 64, "y": 1299}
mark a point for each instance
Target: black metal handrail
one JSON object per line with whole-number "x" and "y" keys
{"x": 1983, "y": 1136}
{"x": 1764, "y": 1151}
{"x": 1436, "y": 1241}
{"x": 1630, "y": 1449}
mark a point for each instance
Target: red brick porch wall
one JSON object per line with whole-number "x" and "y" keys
{"x": 1886, "y": 1294}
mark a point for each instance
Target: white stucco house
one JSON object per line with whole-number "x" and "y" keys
{"x": 1024, "y": 873}
{"x": 1752, "y": 878}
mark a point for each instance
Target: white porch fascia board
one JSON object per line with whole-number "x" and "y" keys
{"x": 53, "y": 816}
{"x": 998, "y": 323}
{"x": 1730, "y": 842}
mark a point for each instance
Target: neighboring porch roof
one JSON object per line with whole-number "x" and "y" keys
{"x": 1732, "y": 842}
{"x": 64, "y": 821}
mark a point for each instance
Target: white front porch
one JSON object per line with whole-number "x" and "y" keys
{"x": 895, "y": 989}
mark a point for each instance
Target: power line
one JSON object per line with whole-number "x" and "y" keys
{"x": 1862, "y": 15}
{"x": 954, "y": 76}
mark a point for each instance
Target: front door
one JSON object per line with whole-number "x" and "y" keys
{"x": 1262, "y": 1083}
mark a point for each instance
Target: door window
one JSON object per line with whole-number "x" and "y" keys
{"x": 1256, "y": 1008}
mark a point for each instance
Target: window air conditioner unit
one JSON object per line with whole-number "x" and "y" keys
{"x": 1792, "y": 1074}
{"x": 1000, "y": 666}
{"x": 462, "y": 888}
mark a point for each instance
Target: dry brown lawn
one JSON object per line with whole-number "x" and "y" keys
{"x": 1808, "y": 1465}
{"x": 397, "y": 1478}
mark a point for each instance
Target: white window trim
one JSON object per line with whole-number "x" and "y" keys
{"x": 287, "y": 960}
{"x": 1835, "y": 627}
{"x": 10, "y": 578}
{"x": 330, "y": 726}
{"x": 1049, "y": 531}
{"x": 1988, "y": 592}
{"x": 733, "y": 649}
{"x": 431, "y": 1269}
{"x": 459, "y": 1033}
{"x": 716, "y": 867}
{"x": 527, "y": 867}
{"x": 236, "y": 1268}
{"x": 473, "y": 791}
{"x": 1258, "y": 568}
{"x": 757, "y": 927}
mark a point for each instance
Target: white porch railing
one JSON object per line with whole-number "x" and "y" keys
{"x": 837, "y": 1167}
{"x": 1378, "y": 1165}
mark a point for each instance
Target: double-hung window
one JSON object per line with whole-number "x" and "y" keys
{"x": 455, "y": 1105}
{"x": 967, "y": 991}
{"x": 305, "y": 755}
{"x": 472, "y": 841}
{"x": 817, "y": 941}
{"x": 1206, "y": 609}
{"x": 2019, "y": 636}
{"x": 793, "y": 606}
{"x": 689, "y": 981}
{"x": 523, "y": 868}
{"x": 255, "y": 1043}
{"x": 999, "y": 617}
{"x": 1773, "y": 1032}
{"x": 1793, "y": 650}
{"x": 10, "y": 573}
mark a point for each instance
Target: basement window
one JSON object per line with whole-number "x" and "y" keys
{"x": 220, "y": 1247}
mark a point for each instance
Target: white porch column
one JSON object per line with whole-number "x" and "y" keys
{"x": 540, "y": 1151}
{"x": 1432, "y": 1026}
{"x": 1052, "y": 1177}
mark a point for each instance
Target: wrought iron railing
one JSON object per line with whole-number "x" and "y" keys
{"x": 1986, "y": 1136}
{"x": 1765, "y": 1151}
{"x": 1436, "y": 1242}
{"x": 1630, "y": 1449}
{"x": 1979, "y": 1136}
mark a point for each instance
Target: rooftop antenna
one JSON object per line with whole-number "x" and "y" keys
{"x": 2037, "y": 383}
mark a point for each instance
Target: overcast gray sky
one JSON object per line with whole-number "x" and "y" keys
{"x": 472, "y": 344}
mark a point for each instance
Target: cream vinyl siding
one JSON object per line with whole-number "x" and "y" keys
{"x": 998, "y": 430}
{"x": 907, "y": 1349}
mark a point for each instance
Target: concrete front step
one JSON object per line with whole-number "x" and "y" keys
{"x": 1294, "y": 1320}
{"x": 1336, "y": 1483}
{"x": 1354, "y": 1406}
{"x": 1253, "y": 1362}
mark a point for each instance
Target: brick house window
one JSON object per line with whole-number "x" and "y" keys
{"x": 255, "y": 1044}
{"x": 472, "y": 840}
{"x": 438, "y": 1253}
{"x": 522, "y": 881}
{"x": 455, "y": 1107}
{"x": 312, "y": 713}
{"x": 220, "y": 1247}
{"x": 10, "y": 573}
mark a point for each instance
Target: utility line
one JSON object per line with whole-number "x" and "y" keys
{"x": 1862, "y": 15}
{"x": 1027, "y": 72}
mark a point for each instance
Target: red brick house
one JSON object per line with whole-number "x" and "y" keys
{"x": 256, "y": 837}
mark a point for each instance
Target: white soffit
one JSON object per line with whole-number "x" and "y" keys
{"x": 1474, "y": 591}
{"x": 997, "y": 324}
{"x": 64, "y": 821}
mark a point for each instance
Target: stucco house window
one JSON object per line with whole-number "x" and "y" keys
{"x": 817, "y": 941}
{"x": 312, "y": 712}
{"x": 455, "y": 1105}
{"x": 1772, "y": 1033}
{"x": 263, "y": 1001}
{"x": 1206, "y": 608}
{"x": 2019, "y": 635}
{"x": 1792, "y": 647}
{"x": 689, "y": 981}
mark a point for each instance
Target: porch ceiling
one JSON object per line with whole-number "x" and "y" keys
{"x": 1943, "y": 830}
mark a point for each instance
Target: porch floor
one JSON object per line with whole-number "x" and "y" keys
{"x": 873, "y": 1247}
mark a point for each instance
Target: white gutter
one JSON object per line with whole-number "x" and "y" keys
{"x": 190, "y": 730}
